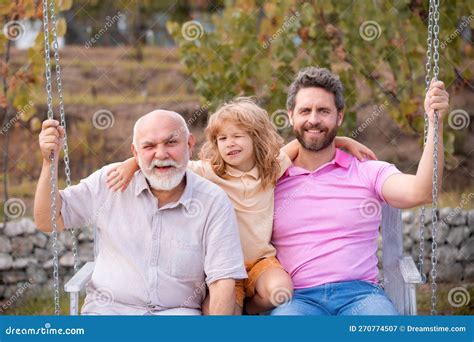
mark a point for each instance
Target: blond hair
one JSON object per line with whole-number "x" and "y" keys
{"x": 253, "y": 119}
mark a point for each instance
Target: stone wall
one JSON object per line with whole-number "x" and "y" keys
{"x": 26, "y": 254}
{"x": 26, "y": 258}
{"x": 455, "y": 240}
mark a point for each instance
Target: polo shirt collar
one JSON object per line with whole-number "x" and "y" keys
{"x": 232, "y": 171}
{"x": 341, "y": 159}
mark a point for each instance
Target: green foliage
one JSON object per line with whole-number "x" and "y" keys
{"x": 257, "y": 47}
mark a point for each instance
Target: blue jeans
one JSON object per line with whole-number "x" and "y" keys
{"x": 345, "y": 298}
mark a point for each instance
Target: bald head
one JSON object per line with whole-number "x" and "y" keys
{"x": 160, "y": 120}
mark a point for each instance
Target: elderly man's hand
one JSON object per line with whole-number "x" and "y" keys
{"x": 437, "y": 98}
{"x": 50, "y": 138}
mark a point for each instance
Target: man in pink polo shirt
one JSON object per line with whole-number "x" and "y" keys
{"x": 328, "y": 204}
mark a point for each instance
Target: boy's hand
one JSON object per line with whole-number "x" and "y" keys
{"x": 119, "y": 177}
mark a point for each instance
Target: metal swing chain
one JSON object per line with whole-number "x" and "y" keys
{"x": 425, "y": 138}
{"x": 63, "y": 120}
{"x": 53, "y": 176}
{"x": 434, "y": 208}
{"x": 432, "y": 48}
{"x": 52, "y": 159}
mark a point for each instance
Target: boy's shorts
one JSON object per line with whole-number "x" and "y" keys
{"x": 246, "y": 287}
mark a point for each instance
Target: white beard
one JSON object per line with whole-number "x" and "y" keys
{"x": 167, "y": 180}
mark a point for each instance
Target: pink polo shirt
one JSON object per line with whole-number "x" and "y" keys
{"x": 326, "y": 222}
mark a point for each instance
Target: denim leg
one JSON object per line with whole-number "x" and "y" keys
{"x": 363, "y": 298}
{"x": 301, "y": 304}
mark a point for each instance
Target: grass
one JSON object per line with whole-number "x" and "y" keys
{"x": 43, "y": 305}
{"x": 39, "y": 304}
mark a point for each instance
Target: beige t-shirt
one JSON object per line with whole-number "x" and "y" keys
{"x": 253, "y": 205}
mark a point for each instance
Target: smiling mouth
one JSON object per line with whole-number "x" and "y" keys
{"x": 233, "y": 153}
{"x": 163, "y": 168}
{"x": 314, "y": 131}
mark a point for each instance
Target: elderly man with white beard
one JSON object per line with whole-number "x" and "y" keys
{"x": 162, "y": 241}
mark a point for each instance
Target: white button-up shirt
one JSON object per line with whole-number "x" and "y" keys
{"x": 149, "y": 258}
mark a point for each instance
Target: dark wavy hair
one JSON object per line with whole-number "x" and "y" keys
{"x": 313, "y": 77}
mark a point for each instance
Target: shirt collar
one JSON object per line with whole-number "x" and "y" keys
{"x": 186, "y": 196}
{"x": 231, "y": 171}
{"x": 341, "y": 159}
